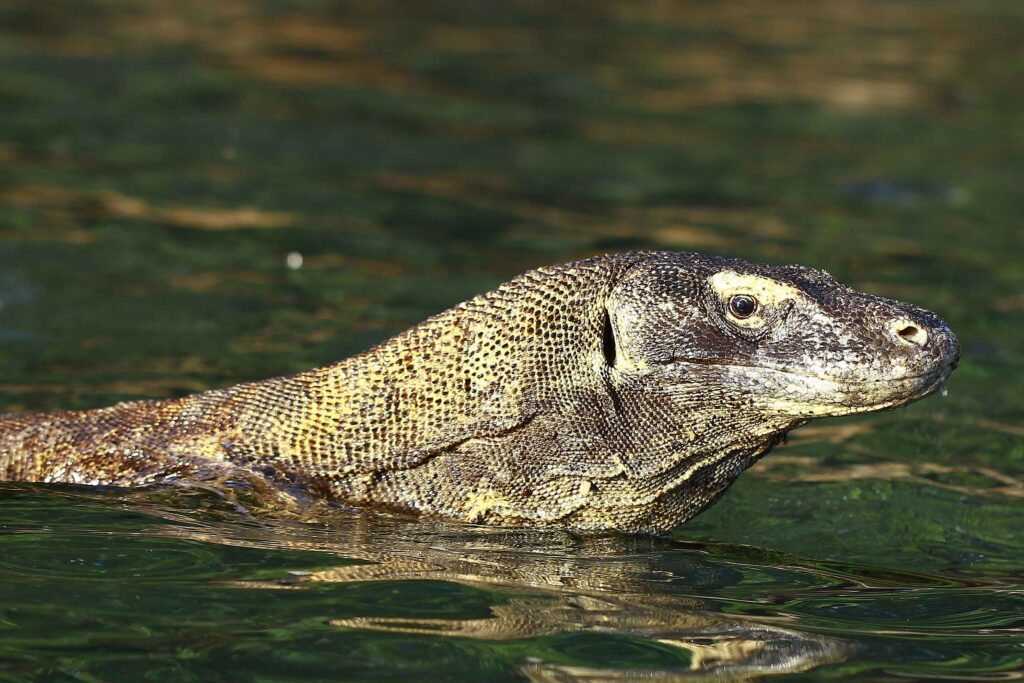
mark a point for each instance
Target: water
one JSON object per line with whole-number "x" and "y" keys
{"x": 194, "y": 194}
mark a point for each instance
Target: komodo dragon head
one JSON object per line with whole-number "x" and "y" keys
{"x": 623, "y": 392}
{"x": 769, "y": 343}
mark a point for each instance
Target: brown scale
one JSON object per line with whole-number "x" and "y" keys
{"x": 618, "y": 392}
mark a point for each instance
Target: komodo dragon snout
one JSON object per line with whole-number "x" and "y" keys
{"x": 623, "y": 392}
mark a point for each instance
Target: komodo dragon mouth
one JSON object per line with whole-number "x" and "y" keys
{"x": 623, "y": 392}
{"x": 892, "y": 392}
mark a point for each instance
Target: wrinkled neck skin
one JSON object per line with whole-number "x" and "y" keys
{"x": 640, "y": 462}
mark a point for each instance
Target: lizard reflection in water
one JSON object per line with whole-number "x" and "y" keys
{"x": 553, "y": 582}
{"x": 623, "y": 392}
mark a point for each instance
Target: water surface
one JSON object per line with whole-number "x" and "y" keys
{"x": 194, "y": 194}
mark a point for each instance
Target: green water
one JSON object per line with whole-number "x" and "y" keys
{"x": 160, "y": 161}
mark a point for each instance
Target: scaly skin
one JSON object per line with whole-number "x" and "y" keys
{"x": 621, "y": 392}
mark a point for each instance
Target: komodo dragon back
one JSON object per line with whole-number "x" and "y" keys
{"x": 623, "y": 392}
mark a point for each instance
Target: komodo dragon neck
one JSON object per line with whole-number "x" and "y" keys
{"x": 546, "y": 401}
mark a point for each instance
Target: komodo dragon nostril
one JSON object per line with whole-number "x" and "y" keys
{"x": 908, "y": 332}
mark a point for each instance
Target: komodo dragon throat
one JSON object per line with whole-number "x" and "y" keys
{"x": 622, "y": 392}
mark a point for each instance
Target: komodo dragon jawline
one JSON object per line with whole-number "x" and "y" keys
{"x": 623, "y": 392}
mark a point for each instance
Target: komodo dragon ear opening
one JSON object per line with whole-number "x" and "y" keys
{"x": 608, "y": 340}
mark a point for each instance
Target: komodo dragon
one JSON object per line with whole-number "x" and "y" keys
{"x": 622, "y": 392}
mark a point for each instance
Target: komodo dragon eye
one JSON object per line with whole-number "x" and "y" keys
{"x": 742, "y": 305}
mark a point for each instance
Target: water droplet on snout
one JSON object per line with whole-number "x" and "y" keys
{"x": 943, "y": 391}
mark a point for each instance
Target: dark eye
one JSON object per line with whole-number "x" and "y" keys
{"x": 742, "y": 306}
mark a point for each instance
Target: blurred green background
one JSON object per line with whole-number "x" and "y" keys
{"x": 194, "y": 194}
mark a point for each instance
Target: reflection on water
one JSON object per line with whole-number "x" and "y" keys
{"x": 545, "y": 604}
{"x": 559, "y": 584}
{"x": 543, "y": 583}
{"x": 163, "y": 165}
